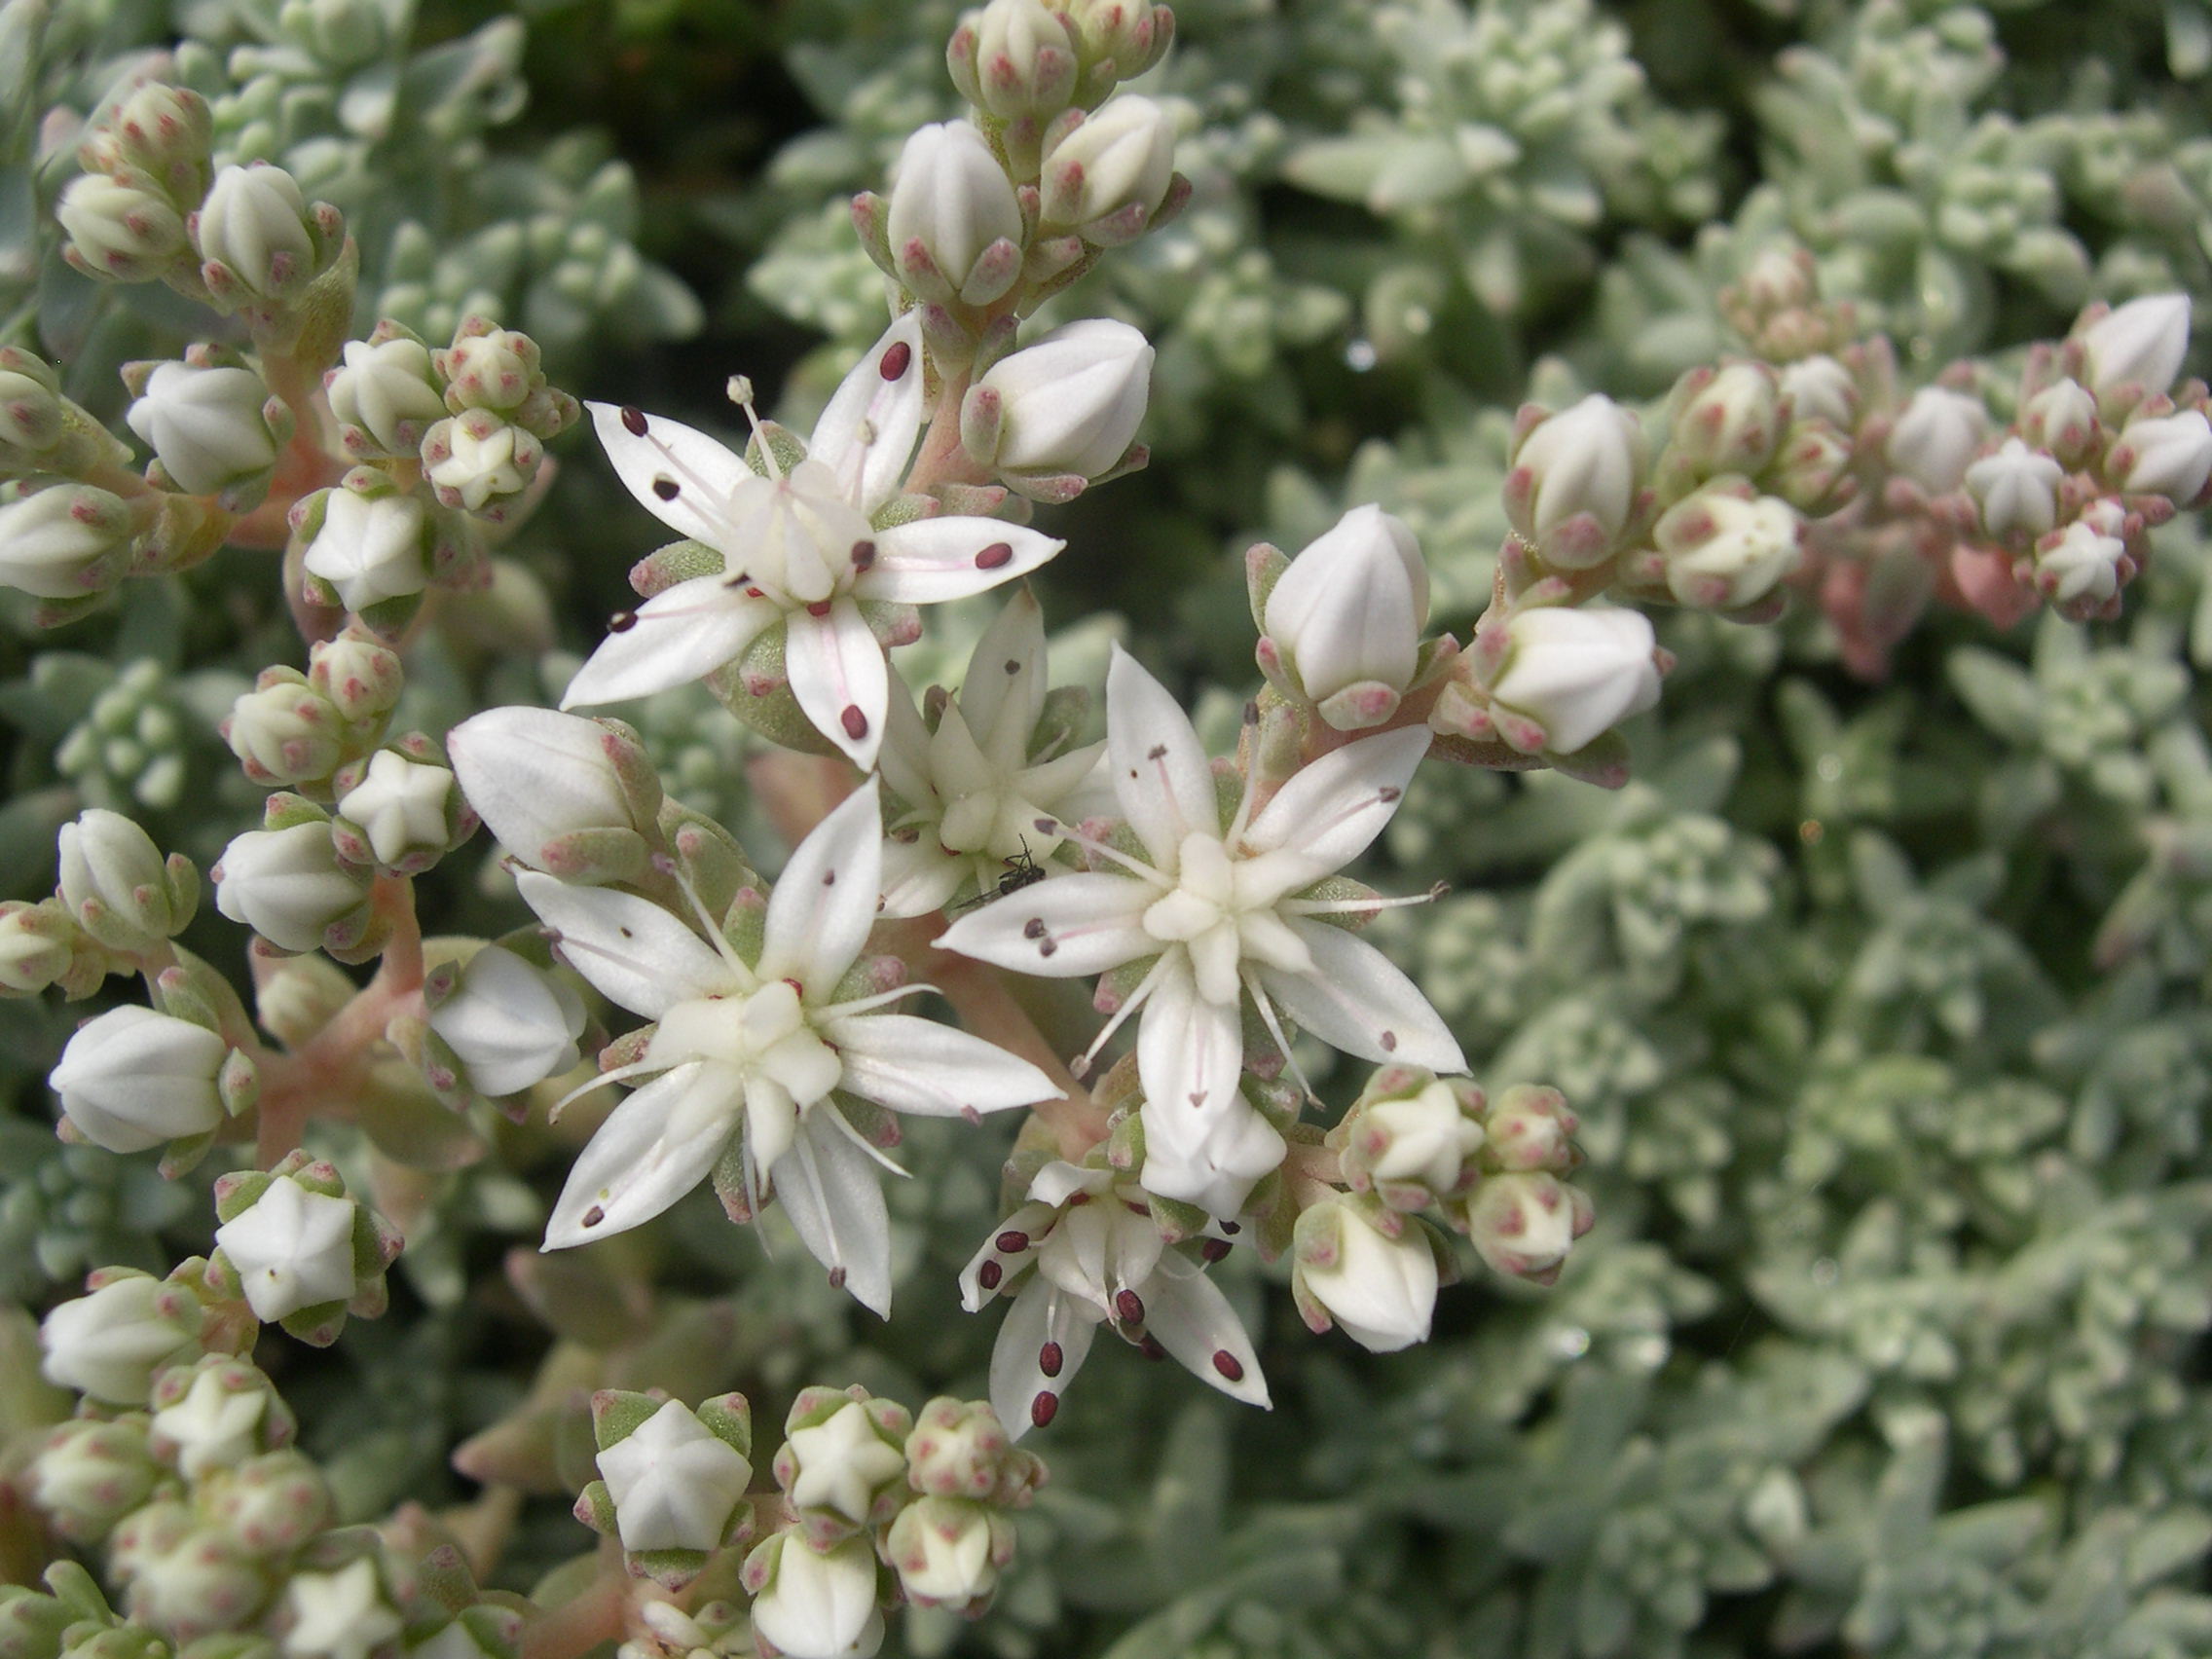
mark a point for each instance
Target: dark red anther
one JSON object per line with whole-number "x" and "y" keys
{"x": 1149, "y": 1346}
{"x": 819, "y": 608}
{"x": 622, "y": 621}
{"x": 988, "y": 1275}
{"x": 1128, "y": 1306}
{"x": 1229, "y": 1365}
{"x": 854, "y": 721}
{"x": 1041, "y": 1408}
{"x": 593, "y": 1216}
{"x": 667, "y": 489}
{"x": 1050, "y": 1360}
{"x": 836, "y": 1278}
{"x": 1012, "y": 1242}
{"x": 864, "y": 555}
{"x": 1214, "y": 1249}
{"x": 997, "y": 555}
{"x": 895, "y": 361}
{"x": 1034, "y": 928}
{"x": 634, "y": 423}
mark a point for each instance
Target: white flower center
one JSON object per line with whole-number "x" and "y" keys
{"x": 760, "y": 1036}
{"x": 1223, "y": 911}
{"x": 797, "y": 534}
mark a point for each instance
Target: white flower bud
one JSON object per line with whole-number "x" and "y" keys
{"x": 2166, "y": 455}
{"x": 2062, "y": 418}
{"x": 2082, "y": 566}
{"x": 64, "y": 541}
{"x": 1726, "y": 545}
{"x": 942, "y": 1549}
{"x": 1348, "y": 613}
{"x": 1419, "y": 1141}
{"x": 537, "y": 777}
{"x": 91, "y": 1474}
{"x": 952, "y": 199}
{"x": 497, "y": 370}
{"x": 216, "y": 1414}
{"x": 2017, "y": 490}
{"x": 117, "y": 884}
{"x": 820, "y": 1604}
{"x": 1935, "y": 436}
{"x": 371, "y": 548}
{"x": 273, "y": 1503}
{"x": 2140, "y": 344}
{"x": 1132, "y": 34}
{"x": 1119, "y": 160}
{"x": 287, "y": 885}
{"x": 1574, "y": 481}
{"x": 345, "y": 1614}
{"x": 156, "y": 135}
{"x": 842, "y": 1460}
{"x": 1071, "y": 403}
{"x": 1726, "y": 419}
{"x": 33, "y": 413}
{"x": 1379, "y": 1289}
{"x": 477, "y": 462}
{"x": 292, "y": 1248}
{"x": 510, "y": 1024}
{"x": 37, "y": 945}
{"x": 134, "y": 1078}
{"x": 110, "y": 1343}
{"x": 1577, "y": 673}
{"x": 361, "y": 676}
{"x": 119, "y": 230}
{"x": 255, "y": 232}
{"x": 673, "y": 1482}
{"x": 1821, "y": 388}
{"x": 399, "y": 809}
{"x": 182, "y": 1575}
{"x": 1014, "y": 59}
{"x": 385, "y": 396}
{"x": 284, "y": 731}
{"x": 205, "y": 426}
{"x": 1524, "y": 1223}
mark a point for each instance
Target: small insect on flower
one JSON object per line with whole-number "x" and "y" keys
{"x": 1021, "y": 871}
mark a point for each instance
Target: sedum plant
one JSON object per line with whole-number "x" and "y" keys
{"x": 1719, "y": 554}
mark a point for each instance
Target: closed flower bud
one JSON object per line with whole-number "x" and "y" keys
{"x": 1728, "y": 545}
{"x": 134, "y": 1078}
{"x": 1577, "y": 673}
{"x": 215, "y": 1413}
{"x": 951, "y": 202}
{"x": 479, "y": 464}
{"x": 120, "y": 229}
{"x": 385, "y": 396}
{"x": 119, "y": 887}
{"x": 1116, "y": 165}
{"x": 2166, "y": 454}
{"x": 2083, "y": 566}
{"x": 208, "y": 428}
{"x": 843, "y": 1454}
{"x": 1529, "y": 1128}
{"x": 33, "y": 413}
{"x": 815, "y": 1604}
{"x": 286, "y": 732}
{"x": 1722, "y": 421}
{"x": 2140, "y": 345}
{"x": 1573, "y": 479}
{"x": 91, "y": 1474}
{"x": 1014, "y": 59}
{"x": 182, "y": 1577}
{"x": 1070, "y": 404}
{"x": 510, "y": 1025}
{"x": 362, "y": 677}
{"x": 369, "y": 548}
{"x": 159, "y": 133}
{"x": 2062, "y": 419}
{"x": 549, "y": 786}
{"x": 1821, "y": 388}
{"x": 39, "y": 944}
{"x": 1410, "y": 1135}
{"x": 959, "y": 1449}
{"x": 64, "y": 541}
{"x": 288, "y": 885}
{"x": 673, "y": 1482}
{"x": 1935, "y": 436}
{"x": 2017, "y": 491}
{"x": 1380, "y": 1286}
{"x": 257, "y": 237}
{"x": 1523, "y": 1224}
{"x": 397, "y": 812}
{"x": 1347, "y": 617}
{"x": 1132, "y": 35}
{"x": 272, "y": 1505}
{"x": 947, "y": 1551}
{"x": 110, "y": 1341}
{"x": 295, "y": 998}
{"x": 1812, "y": 470}
{"x": 291, "y": 1248}
{"x": 490, "y": 368}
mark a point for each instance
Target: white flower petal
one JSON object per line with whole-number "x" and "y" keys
{"x": 1190, "y": 1051}
{"x": 630, "y": 1171}
{"x": 1004, "y": 693}
{"x": 919, "y": 875}
{"x": 703, "y": 469}
{"x": 1357, "y": 1000}
{"x": 912, "y": 1064}
{"x": 865, "y": 434}
{"x": 904, "y": 758}
{"x": 840, "y": 679}
{"x": 678, "y": 634}
{"x": 1332, "y": 810}
{"x": 628, "y": 948}
{"x": 929, "y": 561}
{"x": 1159, "y": 769}
{"x": 1040, "y": 1315}
{"x": 1066, "y": 927}
{"x": 1193, "y": 1320}
{"x": 823, "y": 904}
{"x": 1211, "y": 1159}
{"x": 833, "y": 1194}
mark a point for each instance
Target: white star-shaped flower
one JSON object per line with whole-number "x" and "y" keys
{"x": 754, "y": 1049}
{"x": 1220, "y": 914}
{"x": 400, "y": 805}
{"x": 673, "y": 1482}
{"x": 292, "y": 1249}
{"x": 216, "y": 1425}
{"x": 799, "y": 548}
{"x": 842, "y": 1463}
{"x": 1101, "y": 1261}
{"x": 338, "y": 1615}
